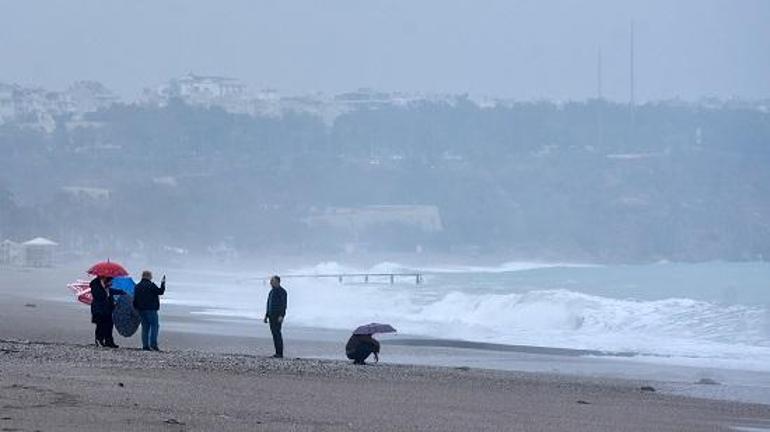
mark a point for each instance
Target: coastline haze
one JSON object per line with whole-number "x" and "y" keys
{"x": 687, "y": 50}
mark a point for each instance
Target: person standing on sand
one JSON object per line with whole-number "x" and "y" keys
{"x": 146, "y": 301}
{"x": 359, "y": 347}
{"x": 276, "y": 311}
{"x": 102, "y": 305}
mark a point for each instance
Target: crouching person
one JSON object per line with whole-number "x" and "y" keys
{"x": 360, "y": 347}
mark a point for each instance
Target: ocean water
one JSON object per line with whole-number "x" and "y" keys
{"x": 710, "y": 314}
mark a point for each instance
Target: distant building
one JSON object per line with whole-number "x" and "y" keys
{"x": 89, "y": 96}
{"x": 207, "y": 87}
{"x": 364, "y": 95}
{"x": 38, "y": 108}
{"x": 7, "y": 104}
{"x": 358, "y": 219}
{"x": 234, "y": 96}
{"x": 227, "y": 93}
{"x": 39, "y": 252}
{"x": 10, "y": 253}
{"x": 87, "y": 193}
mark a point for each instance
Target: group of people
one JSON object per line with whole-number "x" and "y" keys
{"x": 147, "y": 303}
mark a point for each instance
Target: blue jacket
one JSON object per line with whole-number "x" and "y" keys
{"x": 276, "y": 302}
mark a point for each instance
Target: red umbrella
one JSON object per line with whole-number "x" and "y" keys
{"x": 107, "y": 269}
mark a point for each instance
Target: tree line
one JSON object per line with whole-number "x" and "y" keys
{"x": 590, "y": 180}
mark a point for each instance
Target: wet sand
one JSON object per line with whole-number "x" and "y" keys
{"x": 75, "y": 387}
{"x": 52, "y": 379}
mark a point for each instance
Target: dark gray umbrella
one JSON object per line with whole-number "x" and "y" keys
{"x": 373, "y": 328}
{"x": 125, "y": 317}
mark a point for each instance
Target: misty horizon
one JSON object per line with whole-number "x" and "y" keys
{"x": 256, "y": 92}
{"x": 415, "y": 126}
{"x": 689, "y": 50}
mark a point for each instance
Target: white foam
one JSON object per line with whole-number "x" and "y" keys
{"x": 675, "y": 330}
{"x": 511, "y": 266}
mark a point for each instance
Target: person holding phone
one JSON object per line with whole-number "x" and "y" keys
{"x": 147, "y": 303}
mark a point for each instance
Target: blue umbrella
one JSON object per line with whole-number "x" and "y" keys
{"x": 372, "y": 328}
{"x": 125, "y": 317}
{"x": 125, "y": 284}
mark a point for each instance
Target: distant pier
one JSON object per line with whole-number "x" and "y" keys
{"x": 361, "y": 277}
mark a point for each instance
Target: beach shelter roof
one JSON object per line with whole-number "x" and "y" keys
{"x": 40, "y": 241}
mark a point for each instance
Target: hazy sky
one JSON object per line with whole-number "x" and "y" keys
{"x": 522, "y": 49}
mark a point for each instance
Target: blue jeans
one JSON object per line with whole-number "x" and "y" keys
{"x": 150, "y": 328}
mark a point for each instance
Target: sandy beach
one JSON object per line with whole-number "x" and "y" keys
{"x": 52, "y": 378}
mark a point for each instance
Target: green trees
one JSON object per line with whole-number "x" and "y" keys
{"x": 571, "y": 181}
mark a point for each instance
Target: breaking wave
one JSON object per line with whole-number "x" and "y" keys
{"x": 682, "y": 328}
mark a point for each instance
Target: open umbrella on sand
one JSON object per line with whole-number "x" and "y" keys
{"x": 372, "y": 328}
{"x": 107, "y": 269}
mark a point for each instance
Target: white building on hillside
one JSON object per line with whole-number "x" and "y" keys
{"x": 357, "y": 219}
{"x": 89, "y": 96}
{"x": 206, "y": 87}
{"x": 38, "y": 108}
{"x": 228, "y": 93}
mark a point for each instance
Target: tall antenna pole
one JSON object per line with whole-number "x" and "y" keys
{"x": 599, "y": 98}
{"x": 599, "y": 75}
{"x": 632, "y": 83}
{"x": 632, "y": 96}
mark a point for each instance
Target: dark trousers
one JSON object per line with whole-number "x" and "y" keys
{"x": 360, "y": 354}
{"x": 275, "y": 329}
{"x": 103, "y": 331}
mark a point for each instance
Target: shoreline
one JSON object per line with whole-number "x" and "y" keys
{"x": 214, "y": 374}
{"x": 58, "y": 385}
{"x": 183, "y": 330}
{"x": 41, "y": 309}
{"x": 57, "y": 317}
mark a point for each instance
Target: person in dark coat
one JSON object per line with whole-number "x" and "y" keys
{"x": 102, "y": 305}
{"x": 276, "y": 311}
{"x": 147, "y": 303}
{"x": 360, "y": 347}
